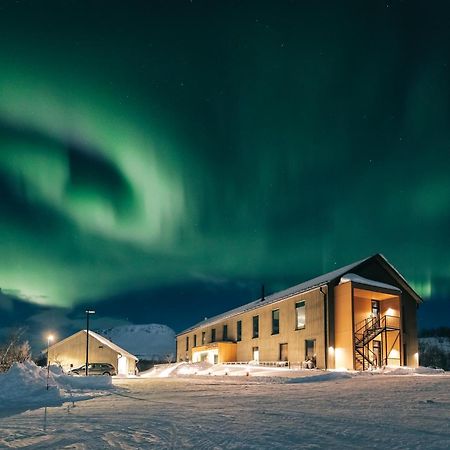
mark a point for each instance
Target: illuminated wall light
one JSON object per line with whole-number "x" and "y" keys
{"x": 394, "y": 354}
{"x": 208, "y": 355}
{"x": 390, "y": 312}
{"x": 339, "y": 355}
{"x": 331, "y": 350}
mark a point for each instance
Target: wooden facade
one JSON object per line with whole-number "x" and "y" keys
{"x": 357, "y": 322}
{"x": 71, "y": 353}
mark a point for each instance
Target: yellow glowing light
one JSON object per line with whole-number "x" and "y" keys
{"x": 395, "y": 354}
{"x": 390, "y": 312}
{"x": 339, "y": 358}
{"x": 416, "y": 357}
{"x": 50, "y": 337}
{"x": 331, "y": 350}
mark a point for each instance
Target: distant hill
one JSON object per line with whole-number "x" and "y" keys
{"x": 152, "y": 342}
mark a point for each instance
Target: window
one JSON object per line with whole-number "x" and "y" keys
{"x": 187, "y": 343}
{"x": 375, "y": 308}
{"x": 300, "y": 315}
{"x": 225, "y": 333}
{"x": 195, "y": 340}
{"x": 203, "y": 337}
{"x": 255, "y": 326}
{"x": 239, "y": 330}
{"x": 275, "y": 321}
{"x": 213, "y": 335}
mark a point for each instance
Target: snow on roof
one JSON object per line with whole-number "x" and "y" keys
{"x": 111, "y": 345}
{"x": 302, "y": 287}
{"x": 361, "y": 280}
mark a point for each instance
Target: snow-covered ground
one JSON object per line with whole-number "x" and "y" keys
{"x": 330, "y": 410}
{"x": 152, "y": 341}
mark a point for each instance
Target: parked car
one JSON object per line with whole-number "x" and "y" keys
{"x": 94, "y": 369}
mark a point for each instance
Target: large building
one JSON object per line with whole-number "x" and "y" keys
{"x": 71, "y": 353}
{"x": 357, "y": 317}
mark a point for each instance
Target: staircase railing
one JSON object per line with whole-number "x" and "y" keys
{"x": 366, "y": 331}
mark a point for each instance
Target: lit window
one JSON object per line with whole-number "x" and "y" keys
{"x": 300, "y": 315}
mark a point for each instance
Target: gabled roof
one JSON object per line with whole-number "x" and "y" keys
{"x": 111, "y": 345}
{"x": 397, "y": 276}
{"x": 314, "y": 283}
{"x": 102, "y": 340}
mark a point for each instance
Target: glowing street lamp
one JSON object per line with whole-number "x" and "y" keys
{"x": 49, "y": 339}
{"x": 88, "y": 313}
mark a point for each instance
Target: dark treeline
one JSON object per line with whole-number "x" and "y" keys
{"x": 435, "y": 352}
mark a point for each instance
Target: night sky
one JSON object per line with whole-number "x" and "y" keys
{"x": 160, "y": 160}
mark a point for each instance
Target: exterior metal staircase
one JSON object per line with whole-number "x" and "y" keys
{"x": 365, "y": 332}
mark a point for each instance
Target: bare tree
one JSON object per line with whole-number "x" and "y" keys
{"x": 14, "y": 349}
{"x": 169, "y": 358}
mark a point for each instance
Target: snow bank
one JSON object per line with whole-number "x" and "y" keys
{"x": 65, "y": 381}
{"x": 84, "y": 383}
{"x": 411, "y": 371}
{"x": 278, "y": 374}
{"x": 160, "y": 371}
{"x": 25, "y": 385}
{"x": 395, "y": 370}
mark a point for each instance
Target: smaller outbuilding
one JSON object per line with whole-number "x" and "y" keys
{"x": 71, "y": 353}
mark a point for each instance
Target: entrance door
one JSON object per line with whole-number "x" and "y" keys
{"x": 122, "y": 365}
{"x": 256, "y": 354}
{"x": 283, "y": 352}
{"x": 310, "y": 349}
{"x": 378, "y": 357}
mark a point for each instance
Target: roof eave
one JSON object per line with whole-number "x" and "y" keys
{"x": 402, "y": 281}
{"x": 219, "y": 319}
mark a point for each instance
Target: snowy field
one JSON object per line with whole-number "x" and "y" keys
{"x": 310, "y": 410}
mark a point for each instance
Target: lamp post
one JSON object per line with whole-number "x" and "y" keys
{"x": 49, "y": 339}
{"x": 88, "y": 313}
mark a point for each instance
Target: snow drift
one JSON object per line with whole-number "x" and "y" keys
{"x": 278, "y": 374}
{"x": 25, "y": 385}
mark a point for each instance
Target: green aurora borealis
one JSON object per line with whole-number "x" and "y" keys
{"x": 152, "y": 144}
